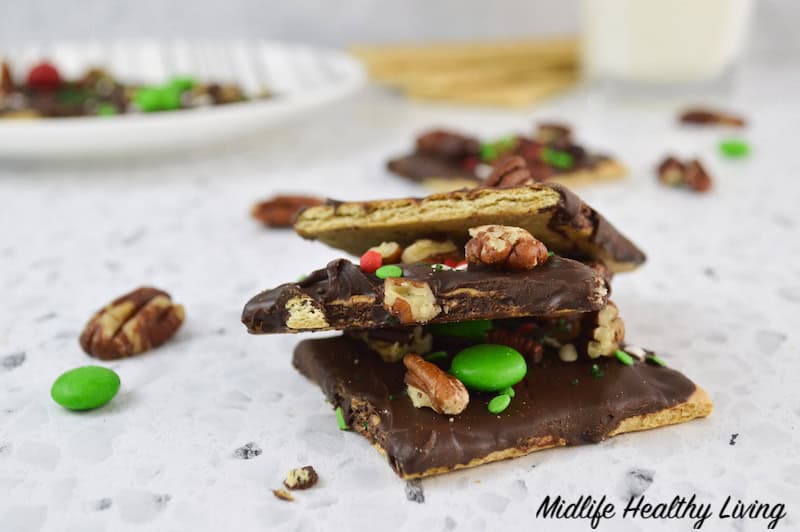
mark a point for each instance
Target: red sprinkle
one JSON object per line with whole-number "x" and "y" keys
{"x": 44, "y": 76}
{"x": 526, "y": 328}
{"x": 371, "y": 261}
{"x": 452, "y": 263}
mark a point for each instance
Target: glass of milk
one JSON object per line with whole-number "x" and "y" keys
{"x": 667, "y": 43}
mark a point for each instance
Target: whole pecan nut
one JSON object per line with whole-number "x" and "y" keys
{"x": 131, "y": 324}
{"x": 430, "y": 386}
{"x": 510, "y": 171}
{"x": 281, "y": 211}
{"x": 505, "y": 247}
{"x": 703, "y": 117}
{"x": 447, "y": 144}
{"x": 301, "y": 478}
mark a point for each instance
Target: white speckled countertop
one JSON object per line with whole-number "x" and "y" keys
{"x": 718, "y": 298}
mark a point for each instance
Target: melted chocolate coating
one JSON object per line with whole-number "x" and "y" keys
{"x": 557, "y": 286}
{"x": 419, "y": 167}
{"x": 547, "y": 404}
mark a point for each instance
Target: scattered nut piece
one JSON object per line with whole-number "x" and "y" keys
{"x": 568, "y": 353}
{"x": 703, "y": 117}
{"x": 283, "y": 495}
{"x": 552, "y": 133}
{"x": 301, "y": 478}
{"x": 607, "y": 333}
{"x": 427, "y": 250}
{"x": 390, "y": 252}
{"x": 505, "y": 247}
{"x": 281, "y": 211}
{"x": 675, "y": 173}
{"x": 447, "y": 144}
{"x": 670, "y": 172}
{"x": 430, "y": 386}
{"x": 527, "y": 346}
{"x": 511, "y": 171}
{"x": 696, "y": 177}
{"x": 131, "y": 324}
{"x": 410, "y": 301}
{"x": 6, "y": 81}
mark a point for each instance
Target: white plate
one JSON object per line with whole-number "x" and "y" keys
{"x": 300, "y": 76}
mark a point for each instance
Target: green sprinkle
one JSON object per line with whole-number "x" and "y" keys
{"x": 550, "y": 254}
{"x": 392, "y": 397}
{"x": 366, "y": 426}
{"x": 509, "y": 391}
{"x": 390, "y": 270}
{"x": 106, "y": 109}
{"x": 596, "y": 371}
{"x": 438, "y": 267}
{"x": 302, "y": 278}
{"x": 71, "y": 95}
{"x": 559, "y": 159}
{"x": 574, "y": 382}
{"x": 653, "y": 359}
{"x": 340, "y": 419}
{"x": 624, "y": 357}
{"x": 499, "y": 403}
{"x": 436, "y": 355}
{"x": 734, "y": 148}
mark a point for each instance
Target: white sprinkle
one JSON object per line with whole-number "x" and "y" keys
{"x": 635, "y": 351}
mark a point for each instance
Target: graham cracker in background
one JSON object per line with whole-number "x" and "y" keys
{"x": 507, "y": 73}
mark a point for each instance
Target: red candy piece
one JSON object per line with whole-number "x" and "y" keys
{"x": 44, "y": 77}
{"x": 371, "y": 261}
{"x": 452, "y": 263}
{"x": 470, "y": 163}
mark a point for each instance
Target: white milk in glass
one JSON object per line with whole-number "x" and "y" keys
{"x": 662, "y": 41}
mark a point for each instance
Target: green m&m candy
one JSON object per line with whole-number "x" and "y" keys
{"x": 182, "y": 83}
{"x": 390, "y": 270}
{"x": 489, "y": 367}
{"x": 471, "y": 330}
{"x": 85, "y": 388}
{"x": 734, "y": 148}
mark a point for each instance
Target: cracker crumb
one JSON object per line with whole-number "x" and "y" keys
{"x": 283, "y": 495}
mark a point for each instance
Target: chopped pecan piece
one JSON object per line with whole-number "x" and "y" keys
{"x": 696, "y": 176}
{"x": 280, "y": 211}
{"x": 132, "y": 324}
{"x": 607, "y": 331}
{"x": 410, "y": 301}
{"x": 554, "y": 134}
{"x": 427, "y": 250}
{"x": 390, "y": 252}
{"x": 301, "y": 478}
{"x": 704, "y": 117}
{"x": 675, "y": 173}
{"x": 505, "y": 247}
{"x": 430, "y": 386}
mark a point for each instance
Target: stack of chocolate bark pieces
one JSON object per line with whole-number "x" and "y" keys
{"x": 476, "y": 326}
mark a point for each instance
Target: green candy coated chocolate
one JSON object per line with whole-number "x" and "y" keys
{"x": 340, "y": 419}
{"x": 624, "y": 357}
{"x": 471, "y": 330}
{"x": 148, "y": 99}
{"x": 182, "y": 83}
{"x": 509, "y": 391}
{"x": 390, "y": 270}
{"x": 597, "y": 371}
{"x": 734, "y": 148}
{"x": 653, "y": 359}
{"x": 85, "y": 388}
{"x": 499, "y": 403}
{"x": 170, "y": 98}
{"x": 489, "y": 367}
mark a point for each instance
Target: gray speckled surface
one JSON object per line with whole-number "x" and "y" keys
{"x": 719, "y": 299}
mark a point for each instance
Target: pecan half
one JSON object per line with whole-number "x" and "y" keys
{"x": 505, "y": 247}
{"x": 301, "y": 478}
{"x": 280, "y": 211}
{"x": 132, "y": 324}
{"x": 510, "y": 171}
{"x": 283, "y": 495}
{"x": 527, "y": 346}
{"x": 430, "y": 386}
{"x": 447, "y": 144}
{"x": 410, "y": 301}
{"x": 702, "y": 117}
{"x": 675, "y": 173}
